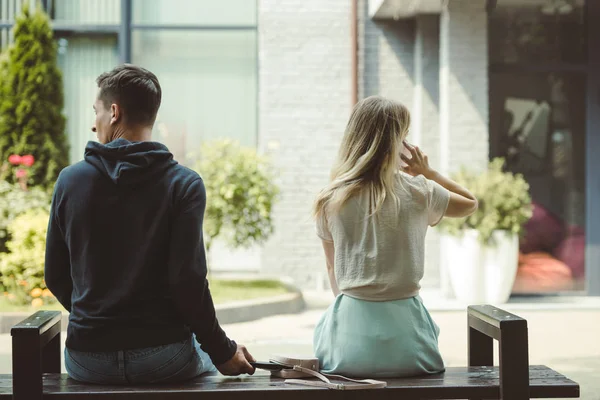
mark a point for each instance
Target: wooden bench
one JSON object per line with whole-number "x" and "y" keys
{"x": 36, "y": 371}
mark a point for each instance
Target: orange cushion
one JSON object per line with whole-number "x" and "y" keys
{"x": 540, "y": 272}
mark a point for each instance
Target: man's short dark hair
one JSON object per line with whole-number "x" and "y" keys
{"x": 135, "y": 89}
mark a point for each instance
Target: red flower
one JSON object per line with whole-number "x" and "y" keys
{"x": 21, "y": 173}
{"x": 27, "y": 160}
{"x": 14, "y": 159}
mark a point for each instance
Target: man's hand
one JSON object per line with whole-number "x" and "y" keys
{"x": 238, "y": 364}
{"x": 418, "y": 164}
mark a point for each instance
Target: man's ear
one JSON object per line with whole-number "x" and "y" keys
{"x": 115, "y": 113}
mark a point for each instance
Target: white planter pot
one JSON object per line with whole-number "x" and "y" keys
{"x": 479, "y": 273}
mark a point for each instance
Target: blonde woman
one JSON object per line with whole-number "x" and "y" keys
{"x": 372, "y": 219}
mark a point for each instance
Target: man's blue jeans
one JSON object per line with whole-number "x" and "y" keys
{"x": 169, "y": 363}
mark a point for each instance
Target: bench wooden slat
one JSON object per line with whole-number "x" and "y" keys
{"x": 455, "y": 383}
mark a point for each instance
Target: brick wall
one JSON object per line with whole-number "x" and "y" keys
{"x": 385, "y": 54}
{"x": 465, "y": 106}
{"x": 304, "y": 104}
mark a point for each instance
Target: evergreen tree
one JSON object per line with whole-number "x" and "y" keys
{"x": 31, "y": 98}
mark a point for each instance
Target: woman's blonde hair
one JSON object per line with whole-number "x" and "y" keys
{"x": 368, "y": 156}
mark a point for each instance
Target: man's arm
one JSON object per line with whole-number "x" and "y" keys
{"x": 187, "y": 276}
{"x": 57, "y": 268}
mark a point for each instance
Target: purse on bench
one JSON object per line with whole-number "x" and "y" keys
{"x": 294, "y": 369}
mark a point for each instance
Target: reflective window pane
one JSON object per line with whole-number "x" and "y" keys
{"x": 537, "y": 122}
{"x": 195, "y": 12}
{"x": 537, "y": 31}
{"x": 81, "y": 60}
{"x": 97, "y": 12}
{"x": 9, "y": 9}
{"x": 209, "y": 82}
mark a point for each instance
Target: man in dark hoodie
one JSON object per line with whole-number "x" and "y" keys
{"x": 125, "y": 254}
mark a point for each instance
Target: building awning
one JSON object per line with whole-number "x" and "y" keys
{"x": 398, "y": 9}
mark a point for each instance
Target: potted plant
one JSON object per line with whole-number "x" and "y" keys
{"x": 240, "y": 192}
{"x": 482, "y": 250}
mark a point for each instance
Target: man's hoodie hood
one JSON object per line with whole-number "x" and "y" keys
{"x": 129, "y": 163}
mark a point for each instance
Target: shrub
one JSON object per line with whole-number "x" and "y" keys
{"x": 504, "y": 202}
{"x": 31, "y": 99}
{"x": 15, "y": 201}
{"x": 240, "y": 194}
{"x": 23, "y": 268}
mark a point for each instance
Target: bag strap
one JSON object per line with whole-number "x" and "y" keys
{"x": 364, "y": 383}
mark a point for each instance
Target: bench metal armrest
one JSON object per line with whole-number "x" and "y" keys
{"x": 488, "y": 322}
{"x": 35, "y": 350}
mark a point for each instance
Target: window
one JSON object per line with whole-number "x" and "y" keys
{"x": 206, "y": 13}
{"x": 538, "y": 76}
{"x": 96, "y": 12}
{"x": 8, "y": 10}
{"x": 81, "y": 60}
{"x": 209, "y": 82}
{"x": 85, "y": 50}
{"x": 204, "y": 53}
{"x": 538, "y": 31}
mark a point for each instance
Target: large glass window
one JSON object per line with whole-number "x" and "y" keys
{"x": 8, "y": 10}
{"x": 537, "y": 123}
{"x": 81, "y": 60}
{"x": 209, "y": 82}
{"x": 208, "y": 73}
{"x": 82, "y": 57}
{"x": 538, "y": 31}
{"x": 204, "y": 53}
{"x": 233, "y": 13}
{"x": 98, "y": 12}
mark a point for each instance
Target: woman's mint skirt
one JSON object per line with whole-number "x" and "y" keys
{"x": 368, "y": 339}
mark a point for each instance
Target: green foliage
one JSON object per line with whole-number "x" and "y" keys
{"x": 15, "y": 201}
{"x": 23, "y": 268}
{"x": 224, "y": 290}
{"x": 240, "y": 194}
{"x": 31, "y": 99}
{"x": 504, "y": 202}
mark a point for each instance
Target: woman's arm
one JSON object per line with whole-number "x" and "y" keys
{"x": 462, "y": 203}
{"x": 329, "y": 257}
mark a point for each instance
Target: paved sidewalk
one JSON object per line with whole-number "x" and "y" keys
{"x": 566, "y": 340}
